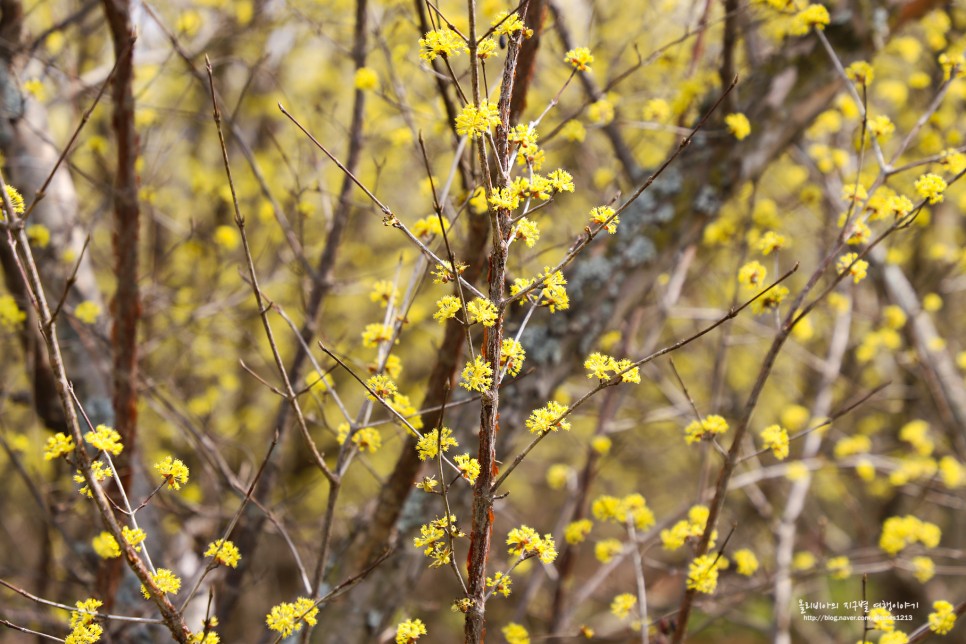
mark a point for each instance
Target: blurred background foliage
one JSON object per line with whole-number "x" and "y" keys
{"x": 200, "y": 322}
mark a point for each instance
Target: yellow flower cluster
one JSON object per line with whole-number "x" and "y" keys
{"x": 703, "y": 573}
{"x": 409, "y": 631}
{"x": 705, "y": 428}
{"x": 58, "y": 445}
{"x": 382, "y": 386}
{"x": 930, "y": 187}
{"x": 814, "y": 15}
{"x": 685, "y": 529}
{"x": 375, "y": 334}
{"x": 621, "y": 606}
{"x": 604, "y": 216}
{"x": 943, "y": 617}
{"x": 446, "y": 307}
{"x": 432, "y": 537}
{"x": 548, "y": 418}
{"x": 483, "y": 311}
{"x": 106, "y": 546}
{"x": 839, "y": 567}
{"x": 526, "y": 542}
{"x": 746, "y": 562}
{"x": 83, "y": 628}
{"x": 577, "y": 531}
{"x": 775, "y": 438}
{"x": 882, "y": 619}
{"x": 441, "y": 42}
{"x": 477, "y": 375}
{"x": 899, "y": 532}
{"x": 600, "y": 366}
{"x": 528, "y": 231}
{"x": 606, "y": 549}
{"x": 476, "y": 120}
{"x": 11, "y": 317}
{"x": 579, "y": 58}
{"x": 738, "y": 125}
{"x": 514, "y": 633}
{"x": 174, "y": 472}
{"x": 500, "y": 583}
{"x": 430, "y": 444}
{"x": 224, "y": 552}
{"x": 287, "y": 617}
{"x": 166, "y": 581}
{"x": 632, "y": 508}
{"x": 105, "y": 439}
{"x": 469, "y": 467}
{"x": 512, "y": 356}
{"x": 860, "y": 72}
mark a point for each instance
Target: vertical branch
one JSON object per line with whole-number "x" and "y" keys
{"x": 126, "y": 307}
{"x": 482, "y": 521}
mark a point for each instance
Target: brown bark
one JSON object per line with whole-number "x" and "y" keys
{"x": 126, "y": 304}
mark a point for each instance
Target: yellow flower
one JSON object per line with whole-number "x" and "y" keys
{"x": 606, "y": 549}
{"x": 366, "y": 79}
{"x": 376, "y": 334}
{"x": 930, "y": 187}
{"x": 106, "y": 439}
{"x": 770, "y": 242}
{"x": 860, "y": 72}
{"x": 881, "y": 127}
{"x": 577, "y": 531}
{"x": 851, "y": 264}
{"x": 738, "y": 125}
{"x": 166, "y": 581}
{"x": 746, "y": 562}
{"x": 561, "y": 181}
{"x": 133, "y": 537}
{"x": 287, "y": 618}
{"x": 703, "y": 574}
{"x": 106, "y": 546}
{"x": 87, "y": 312}
{"x": 705, "y": 428}
{"x": 483, "y": 311}
{"x": 601, "y": 112}
{"x": 441, "y": 42}
{"x": 516, "y": 634}
{"x": 368, "y": 439}
{"x": 527, "y": 543}
{"x": 604, "y": 216}
{"x": 548, "y": 418}
{"x": 621, "y": 606}
{"x": 882, "y": 619}
{"x": 839, "y": 567}
{"x": 469, "y": 467}
{"x": 83, "y": 615}
{"x": 943, "y": 617}
{"x": 227, "y": 237}
{"x": 486, "y": 48}
{"x": 11, "y": 317}
{"x": 16, "y": 200}
{"x": 475, "y": 121}
{"x": 477, "y": 375}
{"x": 775, "y": 438}
{"x": 527, "y": 231}
{"x": 512, "y": 356}
{"x": 656, "y": 109}
{"x": 224, "y": 552}
{"x": 447, "y": 307}
{"x": 580, "y": 59}
{"x": 382, "y": 386}
{"x": 174, "y": 471}
{"x": 923, "y": 568}
{"x": 39, "y": 235}
{"x": 58, "y": 445}
{"x": 500, "y": 582}
{"x": 814, "y": 15}
{"x": 508, "y": 23}
{"x": 409, "y": 631}
{"x": 752, "y": 275}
